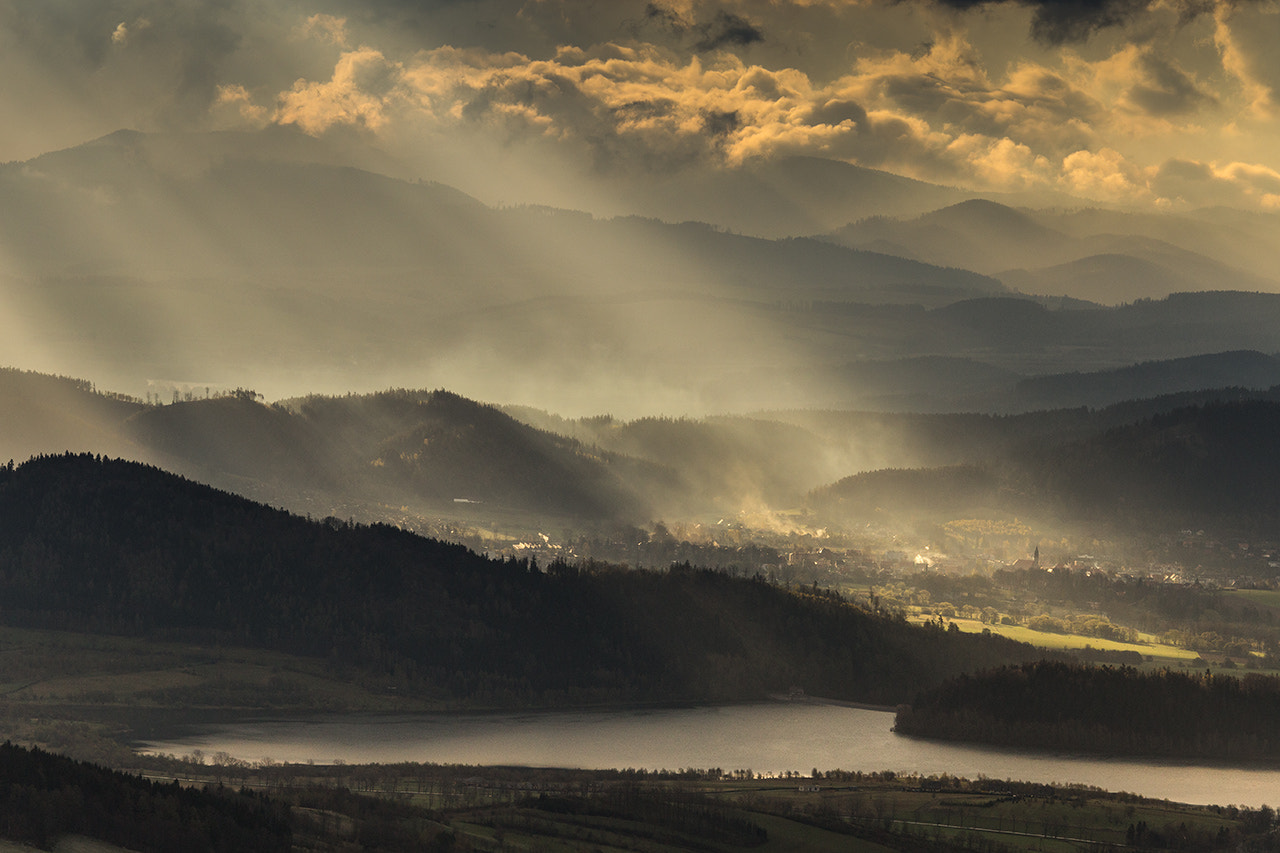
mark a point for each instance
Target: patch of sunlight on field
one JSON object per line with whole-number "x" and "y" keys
{"x": 1046, "y": 640}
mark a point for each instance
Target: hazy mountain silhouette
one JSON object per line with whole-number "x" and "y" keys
{"x": 1207, "y": 465}
{"x": 1241, "y": 240}
{"x": 890, "y": 494}
{"x": 1204, "y": 465}
{"x": 421, "y": 448}
{"x": 366, "y": 456}
{"x": 263, "y": 261}
{"x": 786, "y": 198}
{"x": 976, "y": 234}
{"x": 1247, "y": 369}
{"x": 44, "y": 414}
{"x": 236, "y": 437}
{"x": 1100, "y": 256}
{"x": 794, "y": 196}
{"x": 1106, "y": 279}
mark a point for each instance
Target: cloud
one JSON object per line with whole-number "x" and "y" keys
{"x": 1002, "y": 163}
{"x": 948, "y": 86}
{"x": 947, "y": 90}
{"x": 1200, "y": 183}
{"x": 1061, "y": 21}
{"x": 727, "y": 30}
{"x": 1245, "y": 38}
{"x": 934, "y": 113}
{"x": 1104, "y": 174}
{"x": 329, "y": 28}
{"x": 158, "y": 61}
{"x": 641, "y": 107}
{"x": 235, "y": 108}
{"x": 1165, "y": 90}
{"x": 360, "y": 92}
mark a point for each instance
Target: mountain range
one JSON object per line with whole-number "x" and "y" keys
{"x": 1107, "y": 257}
{"x": 275, "y": 261}
{"x": 405, "y": 456}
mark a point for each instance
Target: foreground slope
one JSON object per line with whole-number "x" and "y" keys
{"x": 116, "y": 547}
{"x": 45, "y": 798}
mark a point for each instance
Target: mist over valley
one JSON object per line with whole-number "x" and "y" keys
{"x": 884, "y": 364}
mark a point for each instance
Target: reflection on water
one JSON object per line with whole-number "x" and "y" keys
{"x": 766, "y": 738}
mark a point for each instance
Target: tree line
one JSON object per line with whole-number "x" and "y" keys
{"x": 44, "y": 796}
{"x": 1116, "y": 710}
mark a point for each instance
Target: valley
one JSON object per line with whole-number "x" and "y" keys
{"x": 368, "y": 465}
{"x": 654, "y": 426}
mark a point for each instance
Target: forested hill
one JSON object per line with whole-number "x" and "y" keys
{"x": 1059, "y": 706}
{"x": 45, "y": 797}
{"x": 93, "y": 545}
{"x": 1211, "y": 465}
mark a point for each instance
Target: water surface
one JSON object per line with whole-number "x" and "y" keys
{"x": 766, "y": 738}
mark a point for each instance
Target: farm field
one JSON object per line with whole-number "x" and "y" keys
{"x": 511, "y": 808}
{"x": 1161, "y": 653}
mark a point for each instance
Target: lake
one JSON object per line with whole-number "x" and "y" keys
{"x": 766, "y": 738}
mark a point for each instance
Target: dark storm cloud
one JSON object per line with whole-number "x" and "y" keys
{"x": 667, "y": 18}
{"x": 641, "y": 110}
{"x": 727, "y": 30}
{"x": 1060, "y": 21}
{"x": 837, "y": 111}
{"x": 720, "y": 123}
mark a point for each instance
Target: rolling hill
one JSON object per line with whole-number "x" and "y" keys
{"x": 93, "y": 545}
{"x": 1206, "y": 466}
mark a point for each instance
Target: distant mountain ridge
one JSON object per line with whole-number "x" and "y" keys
{"x": 1102, "y": 256}
{"x": 265, "y": 257}
{"x": 796, "y": 196}
{"x": 1210, "y": 465}
{"x": 437, "y": 454}
{"x": 275, "y": 261}
{"x": 426, "y": 447}
{"x": 1245, "y": 368}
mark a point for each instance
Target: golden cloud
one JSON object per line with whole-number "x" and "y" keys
{"x": 363, "y": 85}
{"x": 937, "y": 112}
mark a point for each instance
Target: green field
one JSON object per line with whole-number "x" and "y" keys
{"x": 1268, "y": 598}
{"x": 1045, "y": 640}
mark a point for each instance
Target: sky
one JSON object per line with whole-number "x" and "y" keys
{"x": 1168, "y": 105}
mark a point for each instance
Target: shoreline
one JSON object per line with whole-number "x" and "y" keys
{"x": 805, "y": 699}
